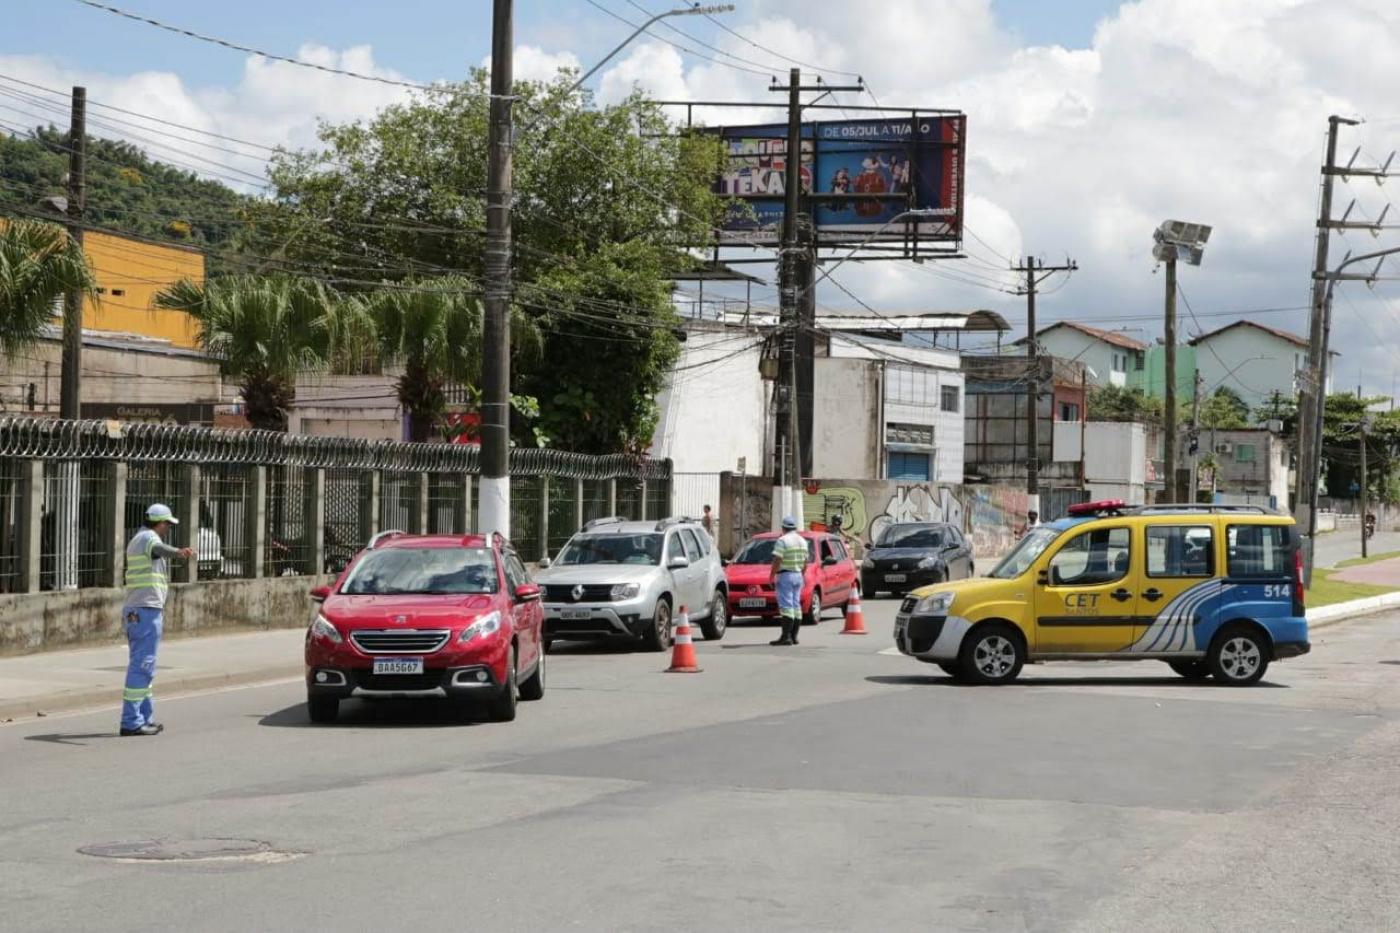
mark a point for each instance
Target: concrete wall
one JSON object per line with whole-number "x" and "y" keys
{"x": 1263, "y": 474}
{"x": 129, "y": 273}
{"x": 846, "y": 434}
{"x": 1070, "y": 344}
{"x": 1262, "y": 363}
{"x": 714, "y": 408}
{"x": 1153, "y": 378}
{"x": 1115, "y": 466}
{"x": 361, "y": 407}
{"x": 75, "y": 618}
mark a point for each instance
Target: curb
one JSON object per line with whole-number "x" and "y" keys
{"x": 1324, "y": 616}
{"x": 77, "y": 699}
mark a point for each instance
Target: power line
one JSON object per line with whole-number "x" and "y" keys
{"x": 689, "y": 51}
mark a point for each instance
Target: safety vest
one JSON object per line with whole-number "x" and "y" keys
{"x": 146, "y": 580}
{"x": 792, "y": 548}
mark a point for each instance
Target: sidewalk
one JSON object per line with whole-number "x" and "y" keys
{"x": 1377, "y": 573}
{"x": 62, "y": 680}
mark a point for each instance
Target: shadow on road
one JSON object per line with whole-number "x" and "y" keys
{"x": 382, "y": 714}
{"x": 936, "y": 681}
{"x": 71, "y": 738}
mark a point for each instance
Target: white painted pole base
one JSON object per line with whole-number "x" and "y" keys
{"x": 779, "y": 507}
{"x": 494, "y": 504}
{"x": 797, "y": 506}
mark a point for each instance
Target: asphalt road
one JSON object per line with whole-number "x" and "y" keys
{"x": 1345, "y": 544}
{"x": 827, "y": 787}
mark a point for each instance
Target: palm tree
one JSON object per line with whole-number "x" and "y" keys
{"x": 263, "y": 331}
{"x": 39, "y": 263}
{"x": 433, "y": 329}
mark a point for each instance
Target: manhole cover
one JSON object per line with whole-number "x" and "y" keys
{"x": 184, "y": 850}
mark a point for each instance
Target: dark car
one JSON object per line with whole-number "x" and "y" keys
{"x": 915, "y": 554}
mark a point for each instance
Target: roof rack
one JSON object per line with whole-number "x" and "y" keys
{"x": 674, "y": 520}
{"x": 609, "y": 520}
{"x": 1208, "y": 508}
{"x": 384, "y": 536}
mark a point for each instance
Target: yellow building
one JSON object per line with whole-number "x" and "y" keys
{"x": 129, "y": 273}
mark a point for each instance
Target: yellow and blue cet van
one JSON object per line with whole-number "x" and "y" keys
{"x": 1212, "y": 590}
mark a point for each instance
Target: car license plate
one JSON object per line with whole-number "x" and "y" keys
{"x": 398, "y": 665}
{"x": 575, "y": 614}
{"x": 753, "y": 602}
{"x": 894, "y": 578}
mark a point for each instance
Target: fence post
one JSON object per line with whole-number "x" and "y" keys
{"x": 424, "y": 481}
{"x": 578, "y": 504}
{"x": 114, "y": 525}
{"x": 612, "y": 496}
{"x": 369, "y": 504}
{"x": 544, "y": 516}
{"x": 464, "y": 512}
{"x": 187, "y": 571}
{"x": 644, "y": 499}
{"x": 313, "y": 516}
{"x": 256, "y": 519}
{"x": 30, "y": 524}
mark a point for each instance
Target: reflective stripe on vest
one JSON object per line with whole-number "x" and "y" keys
{"x": 141, "y": 573}
{"x": 794, "y": 557}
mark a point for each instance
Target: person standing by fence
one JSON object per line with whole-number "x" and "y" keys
{"x": 789, "y": 562}
{"x": 147, "y": 582}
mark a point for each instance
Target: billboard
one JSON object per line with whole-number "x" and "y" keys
{"x": 904, "y": 163}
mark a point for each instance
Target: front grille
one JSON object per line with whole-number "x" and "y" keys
{"x": 924, "y": 631}
{"x": 366, "y": 680}
{"x": 908, "y": 605}
{"x": 401, "y": 641}
{"x": 592, "y": 593}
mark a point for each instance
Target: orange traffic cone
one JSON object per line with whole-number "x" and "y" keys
{"x": 683, "y": 660}
{"x": 855, "y": 619}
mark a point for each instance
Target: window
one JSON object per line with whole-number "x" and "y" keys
{"x": 839, "y": 548}
{"x": 903, "y": 465}
{"x": 516, "y": 574}
{"x": 1092, "y": 558}
{"x": 1180, "y": 551}
{"x": 1258, "y": 551}
{"x": 950, "y": 399}
{"x": 915, "y": 435}
{"x": 827, "y": 552}
{"x": 1244, "y": 453}
{"x": 692, "y": 546}
{"x": 1069, "y": 411}
{"x": 396, "y": 571}
{"x": 1137, "y": 362}
{"x": 612, "y": 549}
{"x": 1120, "y": 362}
{"x": 705, "y": 543}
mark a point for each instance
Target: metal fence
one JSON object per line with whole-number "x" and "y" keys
{"x": 693, "y": 491}
{"x": 257, "y": 503}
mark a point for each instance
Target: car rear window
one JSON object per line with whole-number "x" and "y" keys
{"x": 423, "y": 571}
{"x": 1259, "y": 551}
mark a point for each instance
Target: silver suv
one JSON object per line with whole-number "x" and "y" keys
{"x": 624, "y": 579}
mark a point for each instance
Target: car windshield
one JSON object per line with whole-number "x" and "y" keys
{"x": 424, "y": 571}
{"x": 760, "y": 551}
{"x": 911, "y": 536}
{"x": 1024, "y": 554}
{"x": 612, "y": 549}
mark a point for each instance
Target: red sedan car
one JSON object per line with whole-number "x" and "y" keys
{"x": 427, "y": 616}
{"x": 829, "y": 581}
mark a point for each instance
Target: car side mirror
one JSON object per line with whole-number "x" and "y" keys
{"x": 1043, "y": 578}
{"x": 724, "y": 562}
{"x": 829, "y": 562}
{"x": 319, "y": 594}
{"x": 527, "y": 592}
{"x": 679, "y": 562}
{"x": 544, "y": 563}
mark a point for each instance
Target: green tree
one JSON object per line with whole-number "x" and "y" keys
{"x": 607, "y": 202}
{"x": 263, "y": 331}
{"x": 1224, "y": 410}
{"x": 1115, "y": 403}
{"x": 38, "y": 265}
{"x": 1341, "y": 441}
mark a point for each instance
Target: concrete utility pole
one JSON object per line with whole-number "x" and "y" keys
{"x": 1029, "y": 268}
{"x": 70, "y": 387}
{"x": 1195, "y": 446}
{"x": 495, "y": 338}
{"x": 1169, "y": 390}
{"x": 1363, "y": 428}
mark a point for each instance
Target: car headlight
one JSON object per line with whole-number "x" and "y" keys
{"x": 488, "y": 624}
{"x": 322, "y": 628}
{"x": 625, "y": 590}
{"x": 868, "y": 564}
{"x": 928, "y": 562}
{"x": 938, "y": 604}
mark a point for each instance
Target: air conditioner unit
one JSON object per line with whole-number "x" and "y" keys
{"x": 1225, "y": 448}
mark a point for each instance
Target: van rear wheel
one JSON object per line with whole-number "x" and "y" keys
{"x": 1238, "y": 656}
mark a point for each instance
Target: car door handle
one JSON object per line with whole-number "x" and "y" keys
{"x": 1121, "y": 595}
{"x": 1152, "y": 595}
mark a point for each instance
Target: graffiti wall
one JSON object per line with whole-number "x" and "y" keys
{"x": 995, "y": 514}
{"x": 868, "y": 507}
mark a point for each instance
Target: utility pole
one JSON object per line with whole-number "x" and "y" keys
{"x": 1030, "y": 268}
{"x": 1169, "y": 390}
{"x": 1195, "y": 444}
{"x": 1365, "y": 424}
{"x": 495, "y": 414}
{"x": 789, "y": 462}
{"x": 70, "y": 387}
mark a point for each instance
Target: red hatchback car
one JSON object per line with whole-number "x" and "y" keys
{"x": 427, "y": 616}
{"x": 829, "y": 581}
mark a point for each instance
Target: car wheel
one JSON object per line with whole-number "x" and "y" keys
{"x": 952, "y": 668}
{"x": 714, "y": 627}
{"x": 1191, "y": 670}
{"x": 657, "y": 637}
{"x": 992, "y": 654}
{"x": 322, "y": 709}
{"x": 502, "y": 709}
{"x": 868, "y": 588}
{"x": 813, "y": 615}
{"x": 1239, "y": 656}
{"x": 532, "y": 687}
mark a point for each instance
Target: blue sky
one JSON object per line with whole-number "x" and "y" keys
{"x": 424, "y": 39}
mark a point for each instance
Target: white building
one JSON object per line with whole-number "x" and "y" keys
{"x": 1110, "y": 356}
{"x": 1254, "y": 360}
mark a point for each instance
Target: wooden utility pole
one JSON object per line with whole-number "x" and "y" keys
{"x": 70, "y": 386}
{"x": 1035, "y": 273}
{"x": 1172, "y": 488}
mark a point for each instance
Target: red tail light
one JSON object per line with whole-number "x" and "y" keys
{"x": 1298, "y": 588}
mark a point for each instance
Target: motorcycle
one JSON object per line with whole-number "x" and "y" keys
{"x": 1370, "y": 529}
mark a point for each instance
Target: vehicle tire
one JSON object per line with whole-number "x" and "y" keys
{"x": 813, "y": 615}
{"x": 1191, "y": 670}
{"x": 952, "y": 668}
{"x": 992, "y": 654}
{"x": 715, "y": 626}
{"x": 1238, "y": 656}
{"x": 868, "y": 588}
{"x": 532, "y": 687}
{"x": 657, "y": 637}
{"x": 322, "y": 709}
{"x": 502, "y": 708}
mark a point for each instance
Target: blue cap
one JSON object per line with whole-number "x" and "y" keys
{"x": 789, "y": 523}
